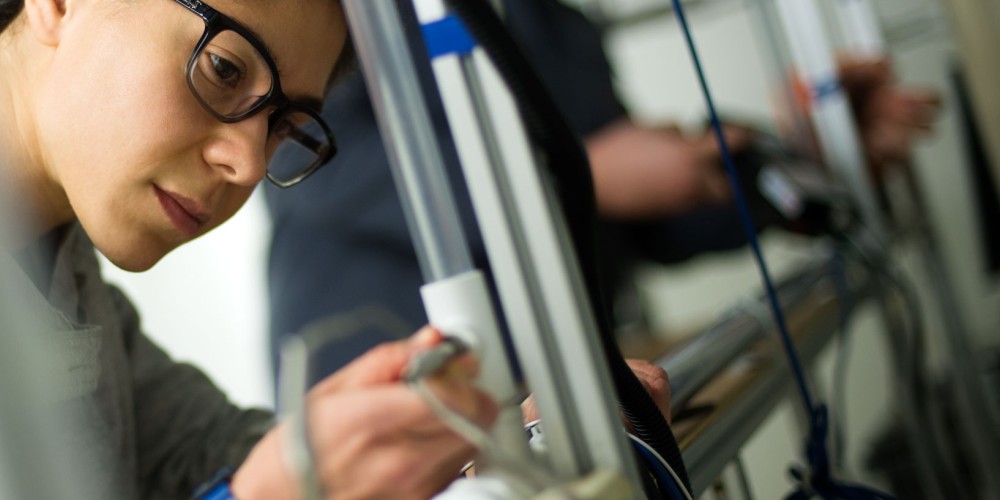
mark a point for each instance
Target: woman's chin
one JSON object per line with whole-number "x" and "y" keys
{"x": 134, "y": 259}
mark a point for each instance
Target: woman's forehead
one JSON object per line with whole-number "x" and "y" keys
{"x": 304, "y": 36}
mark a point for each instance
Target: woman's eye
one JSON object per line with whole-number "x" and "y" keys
{"x": 225, "y": 72}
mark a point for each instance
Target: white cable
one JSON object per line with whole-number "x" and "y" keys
{"x": 677, "y": 480}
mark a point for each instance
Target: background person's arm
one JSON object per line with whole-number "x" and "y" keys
{"x": 645, "y": 173}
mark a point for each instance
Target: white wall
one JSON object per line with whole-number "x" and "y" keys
{"x": 656, "y": 77}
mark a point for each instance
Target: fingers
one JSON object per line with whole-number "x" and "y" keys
{"x": 857, "y": 72}
{"x": 921, "y": 107}
{"x": 889, "y": 116}
{"x": 738, "y": 138}
{"x": 384, "y": 441}
{"x": 381, "y": 365}
{"x": 390, "y": 470}
{"x": 892, "y": 118}
{"x": 671, "y": 129}
{"x": 529, "y": 409}
{"x": 454, "y": 388}
{"x": 653, "y": 378}
{"x": 373, "y": 436}
{"x": 656, "y": 382}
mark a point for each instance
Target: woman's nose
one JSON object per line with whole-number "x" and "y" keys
{"x": 239, "y": 152}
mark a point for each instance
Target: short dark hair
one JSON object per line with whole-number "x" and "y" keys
{"x": 9, "y": 9}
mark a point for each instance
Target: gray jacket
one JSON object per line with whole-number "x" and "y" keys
{"x": 149, "y": 427}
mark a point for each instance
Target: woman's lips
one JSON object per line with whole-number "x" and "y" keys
{"x": 185, "y": 213}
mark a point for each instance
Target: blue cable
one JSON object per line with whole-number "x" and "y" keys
{"x": 744, "y": 213}
{"x": 819, "y": 480}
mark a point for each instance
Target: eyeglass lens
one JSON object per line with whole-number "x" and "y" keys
{"x": 231, "y": 77}
{"x": 300, "y": 144}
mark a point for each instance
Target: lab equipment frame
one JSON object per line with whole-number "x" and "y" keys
{"x": 540, "y": 286}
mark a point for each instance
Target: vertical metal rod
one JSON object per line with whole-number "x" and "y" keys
{"x": 978, "y": 419}
{"x": 910, "y": 415}
{"x": 841, "y": 147}
{"x": 742, "y": 478}
{"x": 859, "y": 24}
{"x": 791, "y": 117}
{"x": 456, "y": 297}
{"x": 540, "y": 287}
{"x": 831, "y": 111}
{"x": 409, "y": 135}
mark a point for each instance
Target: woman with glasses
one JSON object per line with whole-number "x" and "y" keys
{"x": 135, "y": 127}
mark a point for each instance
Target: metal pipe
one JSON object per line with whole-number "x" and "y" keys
{"x": 815, "y": 307}
{"x": 701, "y": 360}
{"x": 539, "y": 283}
{"x": 831, "y": 111}
{"x": 456, "y": 297}
{"x": 408, "y": 132}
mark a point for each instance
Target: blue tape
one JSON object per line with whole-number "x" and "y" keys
{"x": 218, "y": 487}
{"x": 447, "y": 36}
{"x": 221, "y": 492}
{"x": 826, "y": 88}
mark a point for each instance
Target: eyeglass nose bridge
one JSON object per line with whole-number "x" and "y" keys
{"x": 282, "y": 106}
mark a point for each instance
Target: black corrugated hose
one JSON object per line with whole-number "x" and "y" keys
{"x": 567, "y": 161}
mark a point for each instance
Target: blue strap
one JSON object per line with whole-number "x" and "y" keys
{"x": 447, "y": 36}
{"x": 220, "y": 492}
{"x": 217, "y": 488}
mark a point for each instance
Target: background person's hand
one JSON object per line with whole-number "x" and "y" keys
{"x": 644, "y": 172}
{"x": 653, "y": 378}
{"x": 371, "y": 435}
{"x": 656, "y": 382}
{"x": 889, "y": 116}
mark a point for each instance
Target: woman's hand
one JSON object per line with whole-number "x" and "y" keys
{"x": 371, "y": 435}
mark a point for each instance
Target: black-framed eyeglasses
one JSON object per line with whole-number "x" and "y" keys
{"x": 233, "y": 76}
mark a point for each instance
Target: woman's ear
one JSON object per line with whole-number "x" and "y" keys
{"x": 46, "y": 19}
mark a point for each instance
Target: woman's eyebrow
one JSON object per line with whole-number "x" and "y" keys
{"x": 268, "y": 50}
